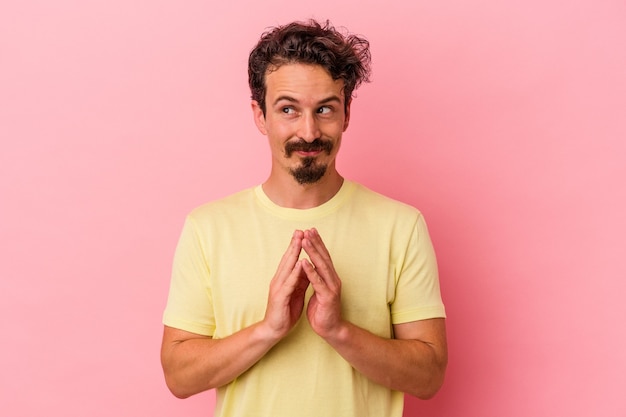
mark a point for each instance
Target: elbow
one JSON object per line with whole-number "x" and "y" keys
{"x": 178, "y": 382}
{"x": 177, "y": 389}
{"x": 426, "y": 394}
{"x": 428, "y": 391}
{"x": 180, "y": 394}
{"x": 428, "y": 388}
{"x": 173, "y": 382}
{"x": 181, "y": 386}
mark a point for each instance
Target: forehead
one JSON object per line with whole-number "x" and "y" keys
{"x": 302, "y": 81}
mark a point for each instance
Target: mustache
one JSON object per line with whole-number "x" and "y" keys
{"x": 304, "y": 146}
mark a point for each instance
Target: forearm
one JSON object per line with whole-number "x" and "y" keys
{"x": 414, "y": 366}
{"x": 196, "y": 364}
{"x": 414, "y": 362}
{"x": 193, "y": 363}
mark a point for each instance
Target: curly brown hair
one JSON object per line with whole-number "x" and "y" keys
{"x": 346, "y": 57}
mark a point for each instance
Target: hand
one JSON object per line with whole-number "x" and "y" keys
{"x": 287, "y": 291}
{"x": 324, "y": 309}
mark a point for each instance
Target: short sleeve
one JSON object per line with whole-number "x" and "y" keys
{"x": 190, "y": 305}
{"x": 418, "y": 295}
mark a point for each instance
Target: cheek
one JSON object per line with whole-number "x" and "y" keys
{"x": 338, "y": 128}
{"x": 279, "y": 129}
{"x": 277, "y": 140}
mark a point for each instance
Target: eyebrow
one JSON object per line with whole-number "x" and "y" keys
{"x": 327, "y": 100}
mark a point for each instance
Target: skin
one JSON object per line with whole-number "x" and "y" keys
{"x": 305, "y": 103}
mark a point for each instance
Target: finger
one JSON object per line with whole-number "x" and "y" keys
{"x": 291, "y": 255}
{"x": 285, "y": 286}
{"x": 314, "y": 236}
{"x": 314, "y": 254}
{"x": 311, "y": 273}
{"x": 302, "y": 282}
{"x": 314, "y": 247}
{"x": 326, "y": 292}
{"x": 293, "y": 279}
{"x": 322, "y": 264}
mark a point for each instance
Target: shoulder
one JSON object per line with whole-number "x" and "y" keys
{"x": 225, "y": 207}
{"x": 382, "y": 204}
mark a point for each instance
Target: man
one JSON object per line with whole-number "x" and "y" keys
{"x": 308, "y": 295}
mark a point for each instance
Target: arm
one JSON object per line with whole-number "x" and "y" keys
{"x": 194, "y": 363}
{"x": 413, "y": 362}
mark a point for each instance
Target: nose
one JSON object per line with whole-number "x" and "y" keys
{"x": 308, "y": 129}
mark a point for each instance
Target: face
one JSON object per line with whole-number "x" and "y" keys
{"x": 304, "y": 119}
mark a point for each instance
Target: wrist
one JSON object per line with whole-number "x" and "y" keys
{"x": 264, "y": 333}
{"x": 340, "y": 334}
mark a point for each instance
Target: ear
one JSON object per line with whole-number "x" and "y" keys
{"x": 259, "y": 118}
{"x": 346, "y": 120}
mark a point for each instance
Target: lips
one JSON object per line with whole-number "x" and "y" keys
{"x": 309, "y": 153}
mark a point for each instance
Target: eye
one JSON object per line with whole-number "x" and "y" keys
{"x": 324, "y": 110}
{"x": 288, "y": 110}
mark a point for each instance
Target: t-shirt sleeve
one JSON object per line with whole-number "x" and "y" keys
{"x": 418, "y": 295}
{"x": 190, "y": 305}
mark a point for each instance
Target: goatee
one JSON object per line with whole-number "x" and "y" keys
{"x": 309, "y": 172}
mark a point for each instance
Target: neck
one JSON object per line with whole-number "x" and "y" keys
{"x": 287, "y": 192}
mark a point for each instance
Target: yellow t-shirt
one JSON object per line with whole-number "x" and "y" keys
{"x": 226, "y": 257}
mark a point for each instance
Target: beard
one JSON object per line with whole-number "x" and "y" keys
{"x": 309, "y": 171}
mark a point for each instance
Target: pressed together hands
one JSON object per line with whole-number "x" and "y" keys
{"x": 413, "y": 361}
{"x": 289, "y": 285}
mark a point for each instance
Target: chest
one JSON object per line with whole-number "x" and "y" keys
{"x": 243, "y": 262}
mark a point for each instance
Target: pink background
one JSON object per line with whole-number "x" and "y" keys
{"x": 504, "y": 122}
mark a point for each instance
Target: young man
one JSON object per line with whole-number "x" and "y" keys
{"x": 308, "y": 295}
